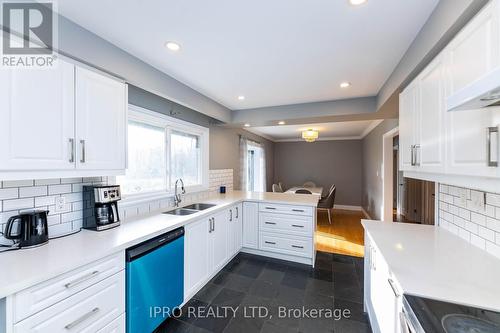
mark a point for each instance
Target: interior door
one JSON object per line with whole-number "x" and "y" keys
{"x": 220, "y": 248}
{"x": 37, "y": 118}
{"x": 100, "y": 121}
{"x": 197, "y": 268}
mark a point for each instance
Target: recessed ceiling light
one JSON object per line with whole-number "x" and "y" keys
{"x": 172, "y": 46}
{"x": 247, "y": 125}
{"x": 241, "y": 98}
{"x": 357, "y": 2}
{"x": 281, "y": 123}
{"x": 345, "y": 85}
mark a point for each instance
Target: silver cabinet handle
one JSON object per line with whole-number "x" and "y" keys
{"x": 72, "y": 150}
{"x": 210, "y": 225}
{"x": 417, "y": 160}
{"x": 393, "y": 287}
{"x": 82, "y": 159}
{"x": 271, "y": 208}
{"x": 297, "y": 226}
{"x": 412, "y": 155}
{"x": 237, "y": 212}
{"x": 404, "y": 323}
{"x": 81, "y": 279}
{"x": 230, "y": 215}
{"x": 213, "y": 223}
{"x": 272, "y": 243}
{"x": 272, "y": 223}
{"x": 489, "y": 145}
{"x": 298, "y": 210}
{"x": 297, "y": 246}
{"x": 82, "y": 318}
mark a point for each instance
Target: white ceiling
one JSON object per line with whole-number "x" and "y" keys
{"x": 327, "y": 131}
{"x": 274, "y": 52}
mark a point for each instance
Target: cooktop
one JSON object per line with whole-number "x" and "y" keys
{"x": 443, "y": 317}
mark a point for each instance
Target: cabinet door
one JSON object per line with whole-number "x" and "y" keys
{"x": 100, "y": 121}
{"x": 239, "y": 227}
{"x": 407, "y": 118}
{"x": 473, "y": 53}
{"x": 431, "y": 109}
{"x": 197, "y": 267}
{"x": 37, "y": 118}
{"x": 219, "y": 235}
{"x": 251, "y": 225}
{"x": 231, "y": 234}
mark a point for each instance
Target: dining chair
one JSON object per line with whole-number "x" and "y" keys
{"x": 309, "y": 184}
{"x": 327, "y": 202}
{"x": 303, "y": 191}
{"x": 276, "y": 188}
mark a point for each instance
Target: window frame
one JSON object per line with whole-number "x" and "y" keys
{"x": 153, "y": 118}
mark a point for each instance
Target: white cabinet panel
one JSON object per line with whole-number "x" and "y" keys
{"x": 431, "y": 112}
{"x": 197, "y": 267}
{"x": 219, "y": 240}
{"x": 100, "y": 121}
{"x": 234, "y": 230}
{"x": 37, "y": 118}
{"x": 407, "y": 119}
{"x": 239, "y": 227}
{"x": 251, "y": 225}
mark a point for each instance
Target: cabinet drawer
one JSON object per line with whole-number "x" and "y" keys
{"x": 45, "y": 294}
{"x": 296, "y": 225}
{"x": 286, "y": 209}
{"x": 116, "y": 326}
{"x": 87, "y": 311}
{"x": 297, "y": 246}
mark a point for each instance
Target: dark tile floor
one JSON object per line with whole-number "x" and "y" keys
{"x": 231, "y": 301}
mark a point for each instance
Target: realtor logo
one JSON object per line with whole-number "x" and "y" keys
{"x": 28, "y": 34}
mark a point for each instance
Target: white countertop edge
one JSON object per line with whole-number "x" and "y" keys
{"x": 172, "y": 222}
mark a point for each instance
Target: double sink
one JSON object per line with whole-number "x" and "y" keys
{"x": 190, "y": 209}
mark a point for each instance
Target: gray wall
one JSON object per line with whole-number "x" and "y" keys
{"x": 323, "y": 162}
{"x": 225, "y": 152}
{"x": 372, "y": 168}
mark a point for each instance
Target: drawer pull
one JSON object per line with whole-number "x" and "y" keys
{"x": 272, "y": 243}
{"x": 81, "y": 279}
{"x": 82, "y": 318}
{"x": 297, "y": 246}
{"x": 270, "y": 223}
{"x": 271, "y": 208}
{"x": 298, "y": 210}
{"x": 297, "y": 226}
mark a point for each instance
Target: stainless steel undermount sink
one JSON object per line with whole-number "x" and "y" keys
{"x": 181, "y": 211}
{"x": 199, "y": 206}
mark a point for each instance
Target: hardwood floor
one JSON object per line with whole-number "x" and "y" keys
{"x": 344, "y": 236}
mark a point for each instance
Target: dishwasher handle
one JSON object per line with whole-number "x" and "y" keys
{"x": 152, "y": 244}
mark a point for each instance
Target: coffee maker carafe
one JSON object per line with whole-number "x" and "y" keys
{"x": 101, "y": 202}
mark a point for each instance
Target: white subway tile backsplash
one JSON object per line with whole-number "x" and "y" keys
{"x": 32, "y": 191}
{"x": 45, "y": 201}
{"x": 17, "y": 204}
{"x": 473, "y": 215}
{"x": 71, "y": 180}
{"x": 54, "y": 181}
{"x": 59, "y": 189}
{"x": 17, "y": 183}
{"x": 9, "y": 193}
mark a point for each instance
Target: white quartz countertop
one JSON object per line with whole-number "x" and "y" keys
{"x": 23, "y": 268}
{"x": 431, "y": 262}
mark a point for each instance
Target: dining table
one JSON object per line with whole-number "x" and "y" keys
{"x": 314, "y": 190}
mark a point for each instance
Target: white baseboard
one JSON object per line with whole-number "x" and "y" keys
{"x": 366, "y": 213}
{"x": 348, "y": 207}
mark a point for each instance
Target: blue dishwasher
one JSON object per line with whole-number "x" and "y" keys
{"x": 155, "y": 280}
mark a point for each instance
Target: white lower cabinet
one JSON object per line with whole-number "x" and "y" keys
{"x": 250, "y": 225}
{"x": 235, "y": 230}
{"x": 219, "y": 245}
{"x": 89, "y": 299}
{"x": 383, "y": 295}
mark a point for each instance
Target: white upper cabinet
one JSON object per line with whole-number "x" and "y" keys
{"x": 100, "y": 121}
{"x": 407, "y": 128}
{"x": 61, "y": 121}
{"x": 37, "y": 118}
{"x": 429, "y": 150}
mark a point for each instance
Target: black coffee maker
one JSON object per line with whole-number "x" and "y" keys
{"x": 101, "y": 207}
{"x": 29, "y": 229}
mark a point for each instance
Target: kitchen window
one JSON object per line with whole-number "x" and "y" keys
{"x": 162, "y": 149}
